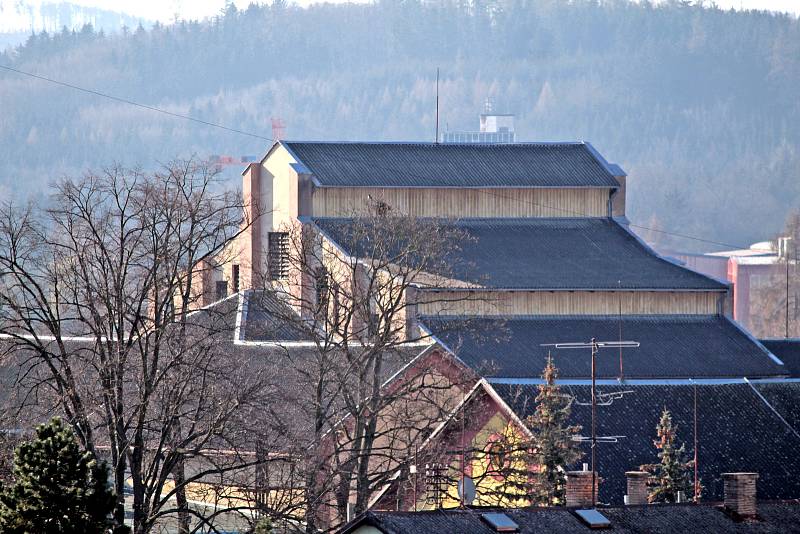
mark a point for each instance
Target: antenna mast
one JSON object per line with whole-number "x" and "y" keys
{"x": 619, "y": 320}
{"x": 595, "y": 346}
{"x": 437, "y": 105}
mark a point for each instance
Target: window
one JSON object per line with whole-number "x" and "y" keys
{"x": 222, "y": 289}
{"x": 235, "y": 277}
{"x": 278, "y": 255}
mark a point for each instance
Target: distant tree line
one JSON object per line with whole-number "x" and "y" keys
{"x": 698, "y": 104}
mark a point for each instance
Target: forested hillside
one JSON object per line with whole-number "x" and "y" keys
{"x": 700, "y": 106}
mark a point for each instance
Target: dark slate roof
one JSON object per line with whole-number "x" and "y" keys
{"x": 340, "y": 164}
{"x": 737, "y": 431}
{"x": 672, "y": 346}
{"x": 550, "y": 253}
{"x": 266, "y": 318}
{"x": 788, "y": 350}
{"x": 774, "y": 517}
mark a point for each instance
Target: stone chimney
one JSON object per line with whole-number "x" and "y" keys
{"x": 740, "y": 493}
{"x": 637, "y": 486}
{"x": 579, "y": 488}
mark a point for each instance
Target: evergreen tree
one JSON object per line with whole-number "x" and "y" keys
{"x": 57, "y": 487}
{"x": 673, "y": 473}
{"x": 553, "y": 447}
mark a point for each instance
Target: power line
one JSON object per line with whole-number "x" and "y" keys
{"x": 133, "y": 103}
{"x": 270, "y": 139}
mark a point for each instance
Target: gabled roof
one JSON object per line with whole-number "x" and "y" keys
{"x": 738, "y": 429}
{"x": 672, "y": 346}
{"x": 549, "y": 253}
{"x": 774, "y": 517}
{"x": 339, "y": 164}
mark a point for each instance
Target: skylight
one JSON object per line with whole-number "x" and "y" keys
{"x": 500, "y": 522}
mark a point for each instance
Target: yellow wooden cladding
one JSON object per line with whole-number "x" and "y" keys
{"x": 445, "y": 202}
{"x": 567, "y": 303}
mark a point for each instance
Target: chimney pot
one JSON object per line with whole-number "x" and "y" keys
{"x": 579, "y": 488}
{"x": 637, "y": 486}
{"x": 740, "y": 493}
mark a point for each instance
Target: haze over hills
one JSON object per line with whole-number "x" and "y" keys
{"x": 19, "y": 19}
{"x": 699, "y": 105}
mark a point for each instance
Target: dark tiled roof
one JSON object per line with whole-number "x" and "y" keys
{"x": 266, "y": 318}
{"x": 672, "y": 346}
{"x": 788, "y": 350}
{"x": 737, "y": 431}
{"x": 550, "y": 253}
{"x": 774, "y": 517}
{"x": 453, "y": 165}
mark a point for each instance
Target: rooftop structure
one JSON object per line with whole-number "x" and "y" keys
{"x": 494, "y": 128}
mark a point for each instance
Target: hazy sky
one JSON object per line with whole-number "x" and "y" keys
{"x": 165, "y": 10}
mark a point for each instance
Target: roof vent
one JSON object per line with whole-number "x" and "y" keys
{"x": 593, "y": 519}
{"x": 500, "y": 522}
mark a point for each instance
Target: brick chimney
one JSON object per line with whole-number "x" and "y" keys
{"x": 579, "y": 488}
{"x": 740, "y": 493}
{"x": 637, "y": 486}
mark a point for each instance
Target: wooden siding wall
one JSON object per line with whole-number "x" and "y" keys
{"x": 429, "y": 202}
{"x": 567, "y": 303}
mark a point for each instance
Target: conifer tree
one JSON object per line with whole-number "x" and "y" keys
{"x": 672, "y": 474}
{"x": 553, "y": 447}
{"x": 57, "y": 487}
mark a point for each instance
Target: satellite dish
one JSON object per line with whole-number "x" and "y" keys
{"x": 466, "y": 490}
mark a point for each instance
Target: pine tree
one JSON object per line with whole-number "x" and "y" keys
{"x": 553, "y": 447}
{"x": 57, "y": 487}
{"x": 673, "y": 473}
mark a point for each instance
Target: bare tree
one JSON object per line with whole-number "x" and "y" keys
{"x": 96, "y": 297}
{"x": 356, "y": 302}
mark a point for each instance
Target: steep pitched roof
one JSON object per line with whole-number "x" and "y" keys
{"x": 738, "y": 430}
{"x": 339, "y": 164}
{"x": 549, "y": 253}
{"x": 774, "y": 517}
{"x": 672, "y": 346}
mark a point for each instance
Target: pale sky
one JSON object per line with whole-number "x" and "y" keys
{"x": 164, "y": 10}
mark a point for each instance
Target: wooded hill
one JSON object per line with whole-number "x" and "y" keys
{"x": 698, "y": 104}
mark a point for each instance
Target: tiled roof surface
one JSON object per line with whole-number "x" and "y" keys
{"x": 266, "y": 318}
{"x": 549, "y": 253}
{"x": 737, "y": 431}
{"x": 340, "y": 164}
{"x": 671, "y": 346}
{"x": 774, "y": 517}
{"x": 788, "y": 350}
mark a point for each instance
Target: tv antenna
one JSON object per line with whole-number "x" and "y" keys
{"x": 595, "y": 347}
